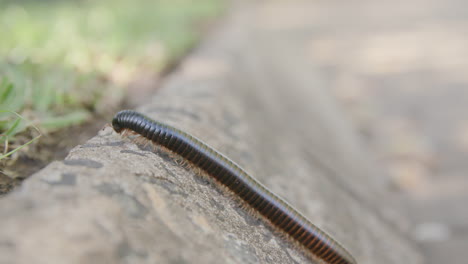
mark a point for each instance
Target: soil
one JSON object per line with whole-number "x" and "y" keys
{"x": 54, "y": 146}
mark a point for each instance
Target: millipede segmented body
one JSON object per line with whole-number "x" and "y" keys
{"x": 275, "y": 210}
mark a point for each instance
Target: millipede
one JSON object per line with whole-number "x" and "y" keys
{"x": 274, "y": 210}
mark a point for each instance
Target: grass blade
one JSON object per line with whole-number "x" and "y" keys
{"x": 6, "y": 90}
{"x": 13, "y": 128}
{"x": 20, "y": 147}
{"x": 54, "y": 123}
{"x": 11, "y": 131}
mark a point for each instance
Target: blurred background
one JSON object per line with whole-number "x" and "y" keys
{"x": 66, "y": 66}
{"x": 397, "y": 68}
{"x": 400, "y": 72}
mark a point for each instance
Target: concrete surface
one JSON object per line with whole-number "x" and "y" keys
{"x": 248, "y": 92}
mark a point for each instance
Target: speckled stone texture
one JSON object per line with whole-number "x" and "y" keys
{"x": 248, "y": 93}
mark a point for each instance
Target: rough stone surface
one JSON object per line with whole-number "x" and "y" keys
{"x": 248, "y": 93}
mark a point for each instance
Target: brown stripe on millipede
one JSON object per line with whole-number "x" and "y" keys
{"x": 274, "y": 210}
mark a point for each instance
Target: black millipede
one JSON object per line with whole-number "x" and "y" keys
{"x": 274, "y": 210}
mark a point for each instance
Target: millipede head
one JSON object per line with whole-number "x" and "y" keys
{"x": 116, "y": 124}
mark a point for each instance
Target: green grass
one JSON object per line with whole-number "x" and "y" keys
{"x": 58, "y": 59}
{"x": 11, "y": 128}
